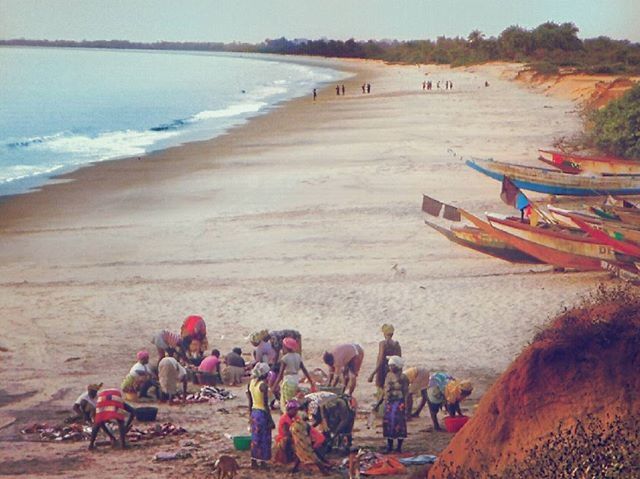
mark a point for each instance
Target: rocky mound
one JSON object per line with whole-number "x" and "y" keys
{"x": 567, "y": 407}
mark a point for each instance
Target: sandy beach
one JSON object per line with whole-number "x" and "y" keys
{"x": 296, "y": 219}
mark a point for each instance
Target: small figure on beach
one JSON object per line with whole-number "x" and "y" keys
{"x": 445, "y": 391}
{"x": 364, "y": 87}
{"x": 140, "y": 378}
{"x": 170, "y": 374}
{"x": 486, "y": 84}
{"x": 386, "y": 348}
{"x": 111, "y": 407}
{"x": 450, "y": 85}
{"x": 342, "y": 89}
{"x": 85, "y": 405}
{"x": 290, "y": 366}
{"x": 260, "y": 416}
{"x": 234, "y": 366}
{"x": 338, "y": 90}
{"x": 424, "y": 85}
{"x": 264, "y": 352}
{"x": 438, "y": 85}
{"x": 368, "y": 87}
{"x": 315, "y": 94}
{"x": 396, "y": 390}
{"x": 209, "y": 369}
{"x": 303, "y": 443}
{"x": 344, "y": 362}
{"x": 418, "y": 383}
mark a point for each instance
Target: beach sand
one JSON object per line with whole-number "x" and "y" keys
{"x": 293, "y": 220}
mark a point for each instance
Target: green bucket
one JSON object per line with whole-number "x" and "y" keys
{"x": 242, "y": 443}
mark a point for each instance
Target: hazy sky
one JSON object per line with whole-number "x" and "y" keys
{"x": 255, "y": 20}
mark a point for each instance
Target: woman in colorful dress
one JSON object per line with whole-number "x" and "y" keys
{"x": 290, "y": 366}
{"x": 260, "y": 420}
{"x": 446, "y": 391}
{"x": 303, "y": 447}
{"x": 386, "y": 348}
{"x": 396, "y": 390}
{"x": 283, "y": 449}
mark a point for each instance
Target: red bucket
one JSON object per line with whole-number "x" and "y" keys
{"x": 455, "y": 423}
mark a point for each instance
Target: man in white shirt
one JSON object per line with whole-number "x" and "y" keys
{"x": 85, "y": 405}
{"x": 170, "y": 373}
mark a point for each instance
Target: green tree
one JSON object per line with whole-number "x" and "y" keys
{"x": 616, "y": 127}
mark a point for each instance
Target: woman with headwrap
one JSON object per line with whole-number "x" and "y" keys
{"x": 194, "y": 339}
{"x": 445, "y": 391}
{"x": 263, "y": 352}
{"x": 303, "y": 444}
{"x": 396, "y": 390}
{"x": 290, "y": 366}
{"x": 140, "y": 378}
{"x": 260, "y": 419}
{"x": 283, "y": 448}
{"x": 386, "y": 348}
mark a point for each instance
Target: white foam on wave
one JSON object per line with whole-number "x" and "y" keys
{"x": 230, "y": 111}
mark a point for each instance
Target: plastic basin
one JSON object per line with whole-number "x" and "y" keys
{"x": 242, "y": 443}
{"x": 455, "y": 423}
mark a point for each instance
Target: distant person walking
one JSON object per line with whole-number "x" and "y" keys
{"x": 424, "y": 85}
{"x": 486, "y": 84}
{"x": 438, "y": 85}
{"x": 368, "y": 87}
{"x": 450, "y": 85}
{"x": 363, "y": 88}
{"x": 338, "y": 90}
{"x": 343, "y": 90}
{"x": 315, "y": 94}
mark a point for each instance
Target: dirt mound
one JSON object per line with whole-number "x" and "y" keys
{"x": 583, "y": 369}
{"x": 604, "y": 92}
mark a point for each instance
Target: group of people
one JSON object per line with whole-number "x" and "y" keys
{"x": 428, "y": 85}
{"x": 340, "y": 90}
{"x": 275, "y": 370}
{"x": 277, "y": 376}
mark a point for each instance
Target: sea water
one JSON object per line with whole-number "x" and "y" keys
{"x": 64, "y": 108}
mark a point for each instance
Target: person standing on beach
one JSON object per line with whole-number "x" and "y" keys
{"x": 368, "y": 87}
{"x": 290, "y": 366}
{"x": 338, "y": 90}
{"x": 260, "y": 416}
{"x": 396, "y": 390}
{"x": 342, "y": 89}
{"x": 364, "y": 86}
{"x": 315, "y": 94}
{"x": 424, "y": 85}
{"x": 386, "y": 348}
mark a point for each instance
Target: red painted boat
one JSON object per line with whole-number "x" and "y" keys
{"x": 602, "y": 165}
{"x": 545, "y": 254}
{"x": 574, "y": 242}
{"x": 596, "y": 232}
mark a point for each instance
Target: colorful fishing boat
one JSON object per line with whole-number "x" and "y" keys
{"x": 626, "y": 272}
{"x": 478, "y": 240}
{"x": 554, "y": 182}
{"x": 601, "y": 165}
{"x": 554, "y": 257}
{"x": 600, "y": 232}
{"x": 569, "y": 241}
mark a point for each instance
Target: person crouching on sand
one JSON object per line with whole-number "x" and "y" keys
{"x": 344, "y": 361}
{"x": 111, "y": 407}
{"x": 445, "y": 391}
{"x": 140, "y": 378}
{"x": 396, "y": 390}
{"x": 170, "y": 373}
{"x": 260, "y": 418}
{"x": 85, "y": 405}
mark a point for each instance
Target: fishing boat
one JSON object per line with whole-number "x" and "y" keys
{"x": 601, "y": 231}
{"x": 543, "y": 180}
{"x": 626, "y": 272}
{"x": 554, "y": 257}
{"x": 478, "y": 240}
{"x": 575, "y": 242}
{"x": 601, "y": 165}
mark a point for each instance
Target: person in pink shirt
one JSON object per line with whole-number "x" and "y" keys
{"x": 344, "y": 361}
{"x": 211, "y": 365}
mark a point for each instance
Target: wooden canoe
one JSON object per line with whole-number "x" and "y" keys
{"x": 478, "y": 240}
{"x": 554, "y": 182}
{"x": 597, "y": 232}
{"x": 569, "y": 241}
{"x": 601, "y": 165}
{"x": 545, "y": 254}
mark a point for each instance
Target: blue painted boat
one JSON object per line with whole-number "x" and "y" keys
{"x": 554, "y": 182}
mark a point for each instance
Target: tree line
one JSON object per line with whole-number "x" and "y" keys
{"x": 546, "y": 48}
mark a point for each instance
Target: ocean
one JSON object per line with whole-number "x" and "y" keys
{"x": 64, "y": 108}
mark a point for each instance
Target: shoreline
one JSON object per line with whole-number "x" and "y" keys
{"x": 305, "y": 218}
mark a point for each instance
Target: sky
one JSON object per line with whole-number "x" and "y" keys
{"x": 256, "y": 20}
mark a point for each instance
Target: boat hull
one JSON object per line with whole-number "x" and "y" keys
{"x": 570, "y": 163}
{"x": 478, "y": 240}
{"x": 552, "y": 182}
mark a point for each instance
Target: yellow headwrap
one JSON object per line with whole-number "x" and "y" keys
{"x": 387, "y": 329}
{"x": 454, "y": 390}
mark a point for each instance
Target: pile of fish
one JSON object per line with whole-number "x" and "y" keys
{"x": 79, "y": 432}
{"x": 210, "y": 394}
{"x": 136, "y": 434}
